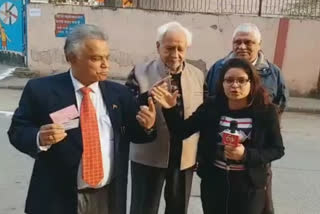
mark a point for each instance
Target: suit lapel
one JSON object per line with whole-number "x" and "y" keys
{"x": 63, "y": 92}
{"x": 63, "y": 96}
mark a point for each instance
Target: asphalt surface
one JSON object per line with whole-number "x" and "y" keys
{"x": 296, "y": 184}
{"x": 296, "y": 177}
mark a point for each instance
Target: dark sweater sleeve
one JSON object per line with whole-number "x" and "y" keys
{"x": 273, "y": 148}
{"x": 135, "y": 132}
{"x": 133, "y": 84}
{"x": 185, "y": 128}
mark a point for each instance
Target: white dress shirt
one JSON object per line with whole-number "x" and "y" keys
{"x": 105, "y": 132}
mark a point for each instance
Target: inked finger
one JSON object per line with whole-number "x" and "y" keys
{"x": 58, "y": 138}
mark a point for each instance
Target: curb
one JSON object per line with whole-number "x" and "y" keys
{"x": 12, "y": 87}
{"x": 6, "y": 113}
{"x": 303, "y": 110}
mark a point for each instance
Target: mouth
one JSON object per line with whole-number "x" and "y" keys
{"x": 173, "y": 60}
{"x": 242, "y": 53}
{"x": 234, "y": 92}
{"x": 103, "y": 73}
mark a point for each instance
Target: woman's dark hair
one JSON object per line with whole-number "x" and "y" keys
{"x": 258, "y": 96}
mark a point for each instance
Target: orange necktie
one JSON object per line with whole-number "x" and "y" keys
{"x": 92, "y": 169}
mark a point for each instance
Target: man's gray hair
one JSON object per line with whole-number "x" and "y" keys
{"x": 79, "y": 34}
{"x": 173, "y": 27}
{"x": 248, "y": 28}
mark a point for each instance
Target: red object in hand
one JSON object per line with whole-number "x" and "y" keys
{"x": 232, "y": 139}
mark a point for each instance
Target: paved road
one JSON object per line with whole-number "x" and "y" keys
{"x": 15, "y": 171}
{"x": 296, "y": 176}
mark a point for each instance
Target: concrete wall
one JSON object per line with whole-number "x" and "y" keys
{"x": 132, "y": 39}
{"x": 301, "y": 64}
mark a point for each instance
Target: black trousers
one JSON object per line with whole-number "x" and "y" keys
{"x": 224, "y": 192}
{"x": 268, "y": 208}
{"x": 110, "y": 199}
{"x": 147, "y": 183}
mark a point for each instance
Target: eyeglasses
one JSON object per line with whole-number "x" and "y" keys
{"x": 249, "y": 43}
{"x": 240, "y": 81}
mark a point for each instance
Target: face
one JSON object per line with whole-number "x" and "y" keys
{"x": 172, "y": 49}
{"x": 236, "y": 84}
{"x": 92, "y": 63}
{"x": 246, "y": 46}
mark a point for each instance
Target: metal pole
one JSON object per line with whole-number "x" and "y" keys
{"x": 260, "y": 8}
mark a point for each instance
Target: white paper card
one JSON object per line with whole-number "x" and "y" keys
{"x": 71, "y": 124}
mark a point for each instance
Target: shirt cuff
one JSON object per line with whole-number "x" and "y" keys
{"x": 41, "y": 148}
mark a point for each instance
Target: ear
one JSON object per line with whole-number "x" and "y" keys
{"x": 158, "y": 46}
{"x": 260, "y": 43}
{"x": 71, "y": 58}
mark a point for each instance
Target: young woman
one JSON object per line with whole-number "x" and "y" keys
{"x": 233, "y": 177}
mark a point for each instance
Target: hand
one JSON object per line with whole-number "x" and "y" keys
{"x": 162, "y": 82}
{"x": 195, "y": 167}
{"x": 164, "y": 97}
{"x": 51, "y": 134}
{"x": 163, "y": 85}
{"x": 234, "y": 153}
{"x": 147, "y": 115}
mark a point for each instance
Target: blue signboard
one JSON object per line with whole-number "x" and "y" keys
{"x": 65, "y": 22}
{"x": 12, "y": 26}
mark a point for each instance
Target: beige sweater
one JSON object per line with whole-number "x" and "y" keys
{"x": 156, "y": 153}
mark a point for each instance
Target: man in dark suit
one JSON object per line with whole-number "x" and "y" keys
{"x": 80, "y": 167}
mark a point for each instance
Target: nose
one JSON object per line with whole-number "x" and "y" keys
{"x": 105, "y": 63}
{"x": 235, "y": 84}
{"x": 175, "y": 53}
{"x": 242, "y": 45}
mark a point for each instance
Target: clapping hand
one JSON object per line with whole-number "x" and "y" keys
{"x": 164, "y": 97}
